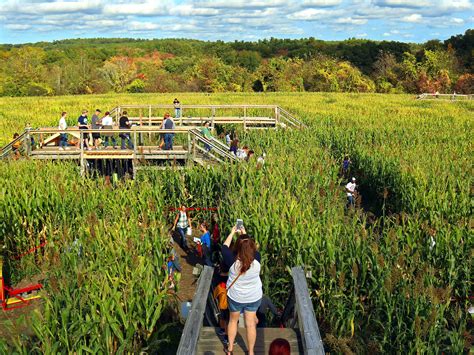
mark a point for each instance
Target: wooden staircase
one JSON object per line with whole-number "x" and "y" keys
{"x": 301, "y": 327}
{"x": 210, "y": 343}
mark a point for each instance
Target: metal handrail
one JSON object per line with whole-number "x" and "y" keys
{"x": 8, "y": 148}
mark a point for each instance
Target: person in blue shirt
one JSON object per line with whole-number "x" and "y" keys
{"x": 206, "y": 243}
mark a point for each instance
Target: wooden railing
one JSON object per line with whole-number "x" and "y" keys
{"x": 298, "y": 313}
{"x": 192, "y": 328}
{"x": 451, "y": 97}
{"x": 147, "y": 114}
{"x": 306, "y": 319}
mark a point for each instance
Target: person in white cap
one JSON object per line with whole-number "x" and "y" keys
{"x": 350, "y": 190}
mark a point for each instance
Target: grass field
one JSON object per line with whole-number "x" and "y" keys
{"x": 378, "y": 282}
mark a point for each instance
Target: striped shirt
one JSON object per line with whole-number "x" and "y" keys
{"x": 183, "y": 220}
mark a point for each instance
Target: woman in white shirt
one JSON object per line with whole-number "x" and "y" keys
{"x": 63, "y": 136}
{"x": 108, "y": 123}
{"x": 244, "y": 287}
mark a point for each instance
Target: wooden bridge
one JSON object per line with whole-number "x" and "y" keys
{"x": 301, "y": 327}
{"x": 450, "y": 97}
{"x": 190, "y": 146}
{"x": 250, "y": 116}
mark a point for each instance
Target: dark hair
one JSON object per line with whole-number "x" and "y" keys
{"x": 124, "y": 113}
{"x": 279, "y": 346}
{"x": 16, "y": 135}
{"x": 97, "y": 110}
{"x": 245, "y": 249}
{"x": 245, "y": 147}
{"x": 107, "y": 113}
{"x": 205, "y": 225}
{"x": 63, "y": 113}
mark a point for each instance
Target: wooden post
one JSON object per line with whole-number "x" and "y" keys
{"x": 81, "y": 137}
{"x": 149, "y": 120}
{"x": 277, "y": 114}
{"x": 189, "y": 148}
{"x": 134, "y": 145}
{"x": 27, "y": 142}
{"x": 140, "y": 135}
{"x": 245, "y": 118}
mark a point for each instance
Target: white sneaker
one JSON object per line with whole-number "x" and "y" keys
{"x": 61, "y": 148}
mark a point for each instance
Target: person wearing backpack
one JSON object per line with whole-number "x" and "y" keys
{"x": 244, "y": 286}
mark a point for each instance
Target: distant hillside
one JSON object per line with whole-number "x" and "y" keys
{"x": 78, "y": 66}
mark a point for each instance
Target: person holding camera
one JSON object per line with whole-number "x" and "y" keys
{"x": 244, "y": 286}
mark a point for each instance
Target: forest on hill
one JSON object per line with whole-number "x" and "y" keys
{"x": 92, "y": 66}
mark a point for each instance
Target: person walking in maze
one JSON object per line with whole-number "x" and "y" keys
{"x": 351, "y": 190}
{"x": 206, "y": 132}
{"x": 181, "y": 223}
{"x": 206, "y": 243}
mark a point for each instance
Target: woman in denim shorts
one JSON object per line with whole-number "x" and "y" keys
{"x": 244, "y": 287}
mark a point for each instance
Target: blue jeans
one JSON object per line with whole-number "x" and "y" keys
{"x": 177, "y": 112}
{"x": 63, "y": 140}
{"x": 206, "y": 251}
{"x": 350, "y": 201}
{"x": 106, "y": 141}
{"x": 169, "y": 141}
{"x": 182, "y": 233}
{"x": 125, "y": 137}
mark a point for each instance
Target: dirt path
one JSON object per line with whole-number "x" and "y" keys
{"x": 187, "y": 260}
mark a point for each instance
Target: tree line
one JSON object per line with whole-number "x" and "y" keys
{"x": 89, "y": 66}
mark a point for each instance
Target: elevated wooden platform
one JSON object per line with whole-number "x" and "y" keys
{"x": 210, "y": 343}
{"x": 192, "y": 147}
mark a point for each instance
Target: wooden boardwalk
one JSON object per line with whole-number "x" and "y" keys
{"x": 191, "y": 147}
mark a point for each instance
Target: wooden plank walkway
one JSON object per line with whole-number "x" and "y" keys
{"x": 210, "y": 343}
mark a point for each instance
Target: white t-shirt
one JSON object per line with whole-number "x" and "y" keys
{"x": 248, "y": 288}
{"x": 62, "y": 123}
{"x": 241, "y": 154}
{"x": 351, "y": 187}
{"x": 107, "y": 121}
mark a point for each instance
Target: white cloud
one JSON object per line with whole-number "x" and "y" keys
{"x": 242, "y": 4}
{"x": 403, "y": 3}
{"x": 321, "y": 3}
{"x": 53, "y": 7}
{"x": 18, "y": 27}
{"x": 149, "y": 8}
{"x": 313, "y": 14}
{"x": 458, "y": 21}
{"x": 142, "y": 26}
{"x": 351, "y": 21}
{"x": 413, "y": 18}
{"x": 189, "y": 10}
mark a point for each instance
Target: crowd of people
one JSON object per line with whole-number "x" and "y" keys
{"x": 237, "y": 286}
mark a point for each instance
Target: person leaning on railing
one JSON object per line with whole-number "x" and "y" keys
{"x": 108, "y": 123}
{"x": 82, "y": 124}
{"x": 124, "y": 123}
{"x": 63, "y": 136}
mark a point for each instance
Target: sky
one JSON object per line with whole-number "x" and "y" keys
{"x": 23, "y": 21}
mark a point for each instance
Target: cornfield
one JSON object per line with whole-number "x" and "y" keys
{"x": 393, "y": 277}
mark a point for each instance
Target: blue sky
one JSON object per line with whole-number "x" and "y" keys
{"x": 402, "y": 20}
